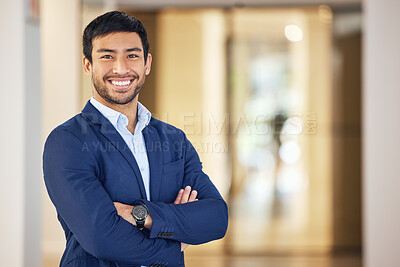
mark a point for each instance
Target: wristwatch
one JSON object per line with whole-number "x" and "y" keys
{"x": 139, "y": 213}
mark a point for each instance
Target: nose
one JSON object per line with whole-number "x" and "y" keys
{"x": 120, "y": 67}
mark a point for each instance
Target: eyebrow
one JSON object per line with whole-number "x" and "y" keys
{"x": 135, "y": 49}
{"x": 106, "y": 50}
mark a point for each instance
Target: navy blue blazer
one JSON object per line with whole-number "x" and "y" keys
{"x": 87, "y": 166}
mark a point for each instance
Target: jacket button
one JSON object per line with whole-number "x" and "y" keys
{"x": 165, "y": 234}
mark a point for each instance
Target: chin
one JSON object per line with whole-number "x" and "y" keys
{"x": 122, "y": 100}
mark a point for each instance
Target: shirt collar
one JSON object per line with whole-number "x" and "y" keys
{"x": 144, "y": 115}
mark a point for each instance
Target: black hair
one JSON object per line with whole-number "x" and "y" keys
{"x": 114, "y": 21}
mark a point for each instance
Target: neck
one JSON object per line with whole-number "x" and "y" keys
{"x": 129, "y": 110}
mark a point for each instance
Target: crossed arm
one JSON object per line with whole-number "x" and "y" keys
{"x": 86, "y": 209}
{"x": 184, "y": 196}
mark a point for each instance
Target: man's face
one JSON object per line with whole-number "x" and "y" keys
{"x": 118, "y": 70}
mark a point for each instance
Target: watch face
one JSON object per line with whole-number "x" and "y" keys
{"x": 139, "y": 212}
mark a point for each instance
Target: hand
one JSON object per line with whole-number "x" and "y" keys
{"x": 185, "y": 196}
{"x": 125, "y": 211}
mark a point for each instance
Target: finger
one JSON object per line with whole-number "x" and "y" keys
{"x": 183, "y": 246}
{"x": 193, "y": 196}
{"x": 179, "y": 197}
{"x": 185, "y": 195}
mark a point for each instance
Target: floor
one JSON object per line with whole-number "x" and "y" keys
{"x": 261, "y": 261}
{"x": 298, "y": 261}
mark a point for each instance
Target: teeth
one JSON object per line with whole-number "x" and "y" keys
{"x": 122, "y": 83}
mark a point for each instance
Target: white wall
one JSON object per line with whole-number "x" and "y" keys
{"x": 381, "y": 128}
{"x": 20, "y": 105}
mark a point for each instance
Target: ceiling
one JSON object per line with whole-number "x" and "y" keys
{"x": 159, "y": 4}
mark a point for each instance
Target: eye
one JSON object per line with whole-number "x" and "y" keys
{"x": 133, "y": 56}
{"x": 107, "y": 56}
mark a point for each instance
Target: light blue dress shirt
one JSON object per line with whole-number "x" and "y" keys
{"x": 135, "y": 141}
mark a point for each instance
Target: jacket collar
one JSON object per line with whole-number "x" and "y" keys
{"x": 93, "y": 115}
{"x": 108, "y": 131}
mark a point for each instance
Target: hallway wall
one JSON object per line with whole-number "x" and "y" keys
{"x": 20, "y": 147}
{"x": 61, "y": 61}
{"x": 381, "y": 127}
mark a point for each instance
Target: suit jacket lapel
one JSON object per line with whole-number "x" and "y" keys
{"x": 154, "y": 155}
{"x": 112, "y": 135}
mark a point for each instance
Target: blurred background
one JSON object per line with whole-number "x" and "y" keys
{"x": 290, "y": 104}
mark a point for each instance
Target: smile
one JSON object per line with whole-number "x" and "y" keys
{"x": 121, "y": 84}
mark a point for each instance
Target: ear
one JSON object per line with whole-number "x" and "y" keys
{"x": 148, "y": 64}
{"x": 87, "y": 66}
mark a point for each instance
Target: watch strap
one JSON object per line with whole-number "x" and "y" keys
{"x": 140, "y": 224}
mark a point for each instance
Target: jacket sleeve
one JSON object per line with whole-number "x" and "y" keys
{"x": 195, "y": 222}
{"x": 71, "y": 177}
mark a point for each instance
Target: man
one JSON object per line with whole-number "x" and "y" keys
{"x": 129, "y": 189}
